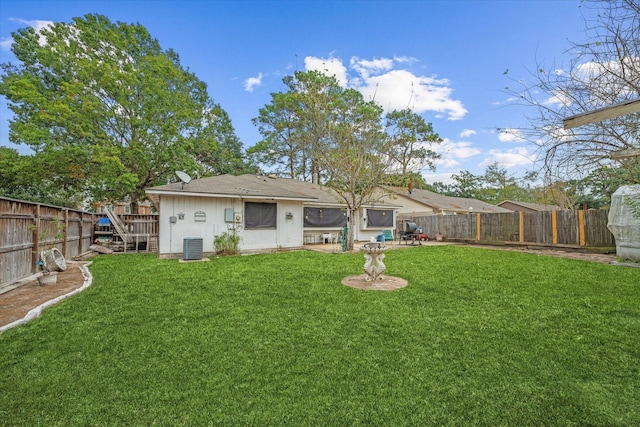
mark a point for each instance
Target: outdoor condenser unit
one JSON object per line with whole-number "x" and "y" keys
{"x": 192, "y": 248}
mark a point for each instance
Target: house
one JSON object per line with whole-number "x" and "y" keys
{"x": 267, "y": 212}
{"x": 528, "y": 207}
{"x": 424, "y": 203}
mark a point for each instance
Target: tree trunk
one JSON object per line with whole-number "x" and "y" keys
{"x": 352, "y": 224}
{"x": 135, "y": 205}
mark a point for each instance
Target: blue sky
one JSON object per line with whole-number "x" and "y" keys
{"x": 444, "y": 59}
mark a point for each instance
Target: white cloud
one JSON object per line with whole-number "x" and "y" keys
{"x": 392, "y": 88}
{"x": 252, "y": 82}
{"x": 445, "y": 178}
{"x": 510, "y": 135}
{"x": 457, "y": 150}
{"x": 37, "y": 25}
{"x": 331, "y": 67}
{"x": 366, "y": 67}
{"x": 513, "y": 157}
{"x": 5, "y": 43}
{"x": 452, "y": 153}
{"x": 467, "y": 133}
{"x": 405, "y": 59}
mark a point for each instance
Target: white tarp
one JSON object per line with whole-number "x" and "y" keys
{"x": 623, "y": 224}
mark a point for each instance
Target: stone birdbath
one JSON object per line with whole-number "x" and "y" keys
{"x": 373, "y": 265}
{"x": 374, "y": 268}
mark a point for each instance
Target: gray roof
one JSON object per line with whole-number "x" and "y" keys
{"x": 249, "y": 186}
{"x": 448, "y": 203}
{"x": 533, "y": 206}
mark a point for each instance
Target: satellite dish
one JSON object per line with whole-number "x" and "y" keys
{"x": 184, "y": 177}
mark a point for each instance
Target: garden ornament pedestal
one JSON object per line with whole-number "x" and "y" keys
{"x": 374, "y": 268}
{"x": 373, "y": 265}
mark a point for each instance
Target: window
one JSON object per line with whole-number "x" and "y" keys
{"x": 379, "y": 218}
{"x": 325, "y": 217}
{"x": 260, "y": 215}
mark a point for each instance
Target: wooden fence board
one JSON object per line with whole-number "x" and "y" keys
{"x": 27, "y": 228}
{"x": 596, "y": 231}
{"x": 567, "y": 226}
{"x": 536, "y": 227}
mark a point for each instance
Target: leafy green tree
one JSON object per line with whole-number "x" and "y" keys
{"x": 442, "y": 188}
{"x": 110, "y": 111}
{"x": 354, "y": 154}
{"x": 411, "y": 140}
{"x": 569, "y": 194}
{"x": 466, "y": 184}
{"x": 602, "y": 183}
{"x": 322, "y": 131}
{"x": 12, "y": 175}
{"x": 411, "y": 179}
{"x": 499, "y": 186}
{"x": 314, "y": 95}
{"x": 494, "y": 186}
{"x": 32, "y": 178}
{"x": 280, "y": 148}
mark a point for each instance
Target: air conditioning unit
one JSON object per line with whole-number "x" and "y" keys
{"x": 192, "y": 248}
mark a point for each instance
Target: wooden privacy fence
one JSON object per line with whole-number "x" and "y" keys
{"x": 554, "y": 228}
{"x": 28, "y": 228}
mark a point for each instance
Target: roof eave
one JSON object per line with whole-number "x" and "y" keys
{"x": 228, "y": 196}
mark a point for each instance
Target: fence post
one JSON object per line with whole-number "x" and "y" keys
{"x": 554, "y": 227}
{"x": 581, "y": 234}
{"x": 65, "y": 231}
{"x": 520, "y": 226}
{"x": 35, "y": 254}
{"x": 478, "y": 226}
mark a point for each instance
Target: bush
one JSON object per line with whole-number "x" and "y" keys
{"x": 227, "y": 244}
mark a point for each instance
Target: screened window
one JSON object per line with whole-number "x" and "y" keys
{"x": 325, "y": 217}
{"x": 260, "y": 215}
{"x": 379, "y": 218}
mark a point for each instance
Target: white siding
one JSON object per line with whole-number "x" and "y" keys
{"x": 288, "y": 233}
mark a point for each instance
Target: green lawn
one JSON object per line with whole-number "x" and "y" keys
{"x": 478, "y": 337}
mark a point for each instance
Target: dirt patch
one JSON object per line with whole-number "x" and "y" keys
{"x": 388, "y": 283}
{"x": 15, "y": 304}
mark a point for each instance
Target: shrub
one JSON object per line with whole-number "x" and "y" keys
{"x": 227, "y": 244}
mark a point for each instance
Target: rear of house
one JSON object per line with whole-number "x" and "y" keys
{"x": 266, "y": 212}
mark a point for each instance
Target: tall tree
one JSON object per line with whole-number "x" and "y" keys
{"x": 354, "y": 154}
{"x": 603, "y": 70}
{"x": 296, "y": 124}
{"x": 278, "y": 123}
{"x": 411, "y": 141}
{"x": 602, "y": 183}
{"x": 320, "y": 130}
{"x": 500, "y": 186}
{"x": 120, "y": 110}
{"x": 494, "y": 186}
{"x": 466, "y": 184}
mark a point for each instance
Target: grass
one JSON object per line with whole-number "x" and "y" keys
{"x": 478, "y": 337}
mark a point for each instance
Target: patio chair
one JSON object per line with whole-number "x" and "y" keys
{"x": 386, "y": 236}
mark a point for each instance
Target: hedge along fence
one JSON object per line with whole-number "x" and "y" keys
{"x": 27, "y": 228}
{"x": 553, "y": 228}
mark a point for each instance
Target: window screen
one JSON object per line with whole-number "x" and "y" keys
{"x": 260, "y": 215}
{"x": 324, "y": 217}
{"x": 379, "y": 218}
